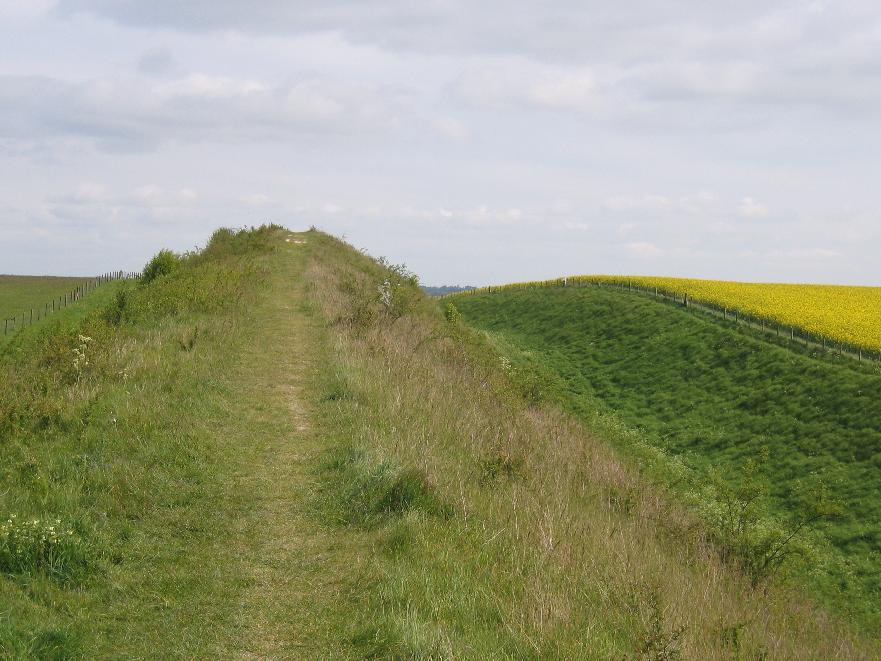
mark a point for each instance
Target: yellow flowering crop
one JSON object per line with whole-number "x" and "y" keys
{"x": 839, "y": 313}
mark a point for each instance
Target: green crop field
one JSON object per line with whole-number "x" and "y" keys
{"x": 277, "y": 447}
{"x": 21, "y": 293}
{"x": 777, "y": 424}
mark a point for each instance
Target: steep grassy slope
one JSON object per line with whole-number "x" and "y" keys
{"x": 500, "y": 528}
{"x": 281, "y": 449}
{"x": 726, "y": 405}
{"x": 830, "y": 314}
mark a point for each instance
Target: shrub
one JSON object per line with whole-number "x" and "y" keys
{"x": 399, "y": 290}
{"x": 163, "y": 263}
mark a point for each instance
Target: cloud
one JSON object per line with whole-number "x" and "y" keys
{"x": 794, "y": 254}
{"x": 255, "y": 200}
{"x": 702, "y": 202}
{"x": 643, "y": 249}
{"x": 157, "y": 62}
{"x": 517, "y": 82}
{"x": 131, "y": 114}
{"x": 451, "y": 128}
{"x": 752, "y": 208}
{"x": 641, "y": 202}
{"x": 682, "y": 65}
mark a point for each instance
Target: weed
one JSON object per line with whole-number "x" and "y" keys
{"x": 658, "y": 642}
{"x": 188, "y": 341}
{"x": 81, "y": 357}
{"x": 40, "y": 546}
{"x": 452, "y": 314}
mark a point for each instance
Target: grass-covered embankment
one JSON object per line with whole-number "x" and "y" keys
{"x": 795, "y": 436}
{"x": 279, "y": 448}
{"x": 120, "y": 450}
{"x": 499, "y": 527}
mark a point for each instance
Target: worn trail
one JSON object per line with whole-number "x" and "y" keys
{"x": 296, "y": 572}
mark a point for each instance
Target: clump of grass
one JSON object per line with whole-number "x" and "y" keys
{"x": 498, "y": 467}
{"x": 366, "y": 490}
{"x": 188, "y": 341}
{"x": 45, "y": 642}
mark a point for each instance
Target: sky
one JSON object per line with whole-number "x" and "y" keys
{"x": 477, "y": 142}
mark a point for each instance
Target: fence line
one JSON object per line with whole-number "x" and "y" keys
{"x": 793, "y": 334}
{"x": 33, "y": 315}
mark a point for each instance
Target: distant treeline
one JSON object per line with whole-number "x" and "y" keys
{"x": 445, "y": 289}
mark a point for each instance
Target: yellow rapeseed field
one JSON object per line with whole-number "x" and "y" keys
{"x": 839, "y": 313}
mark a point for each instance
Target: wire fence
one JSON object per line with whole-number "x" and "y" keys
{"x": 32, "y": 315}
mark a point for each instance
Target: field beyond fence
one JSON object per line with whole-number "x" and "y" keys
{"x": 33, "y": 313}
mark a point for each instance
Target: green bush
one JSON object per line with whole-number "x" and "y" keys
{"x": 163, "y": 263}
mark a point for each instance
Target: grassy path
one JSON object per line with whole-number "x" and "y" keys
{"x": 295, "y": 570}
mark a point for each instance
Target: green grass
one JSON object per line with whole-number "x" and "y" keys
{"x": 725, "y": 404}
{"x": 100, "y": 448}
{"x": 511, "y": 533}
{"x": 278, "y": 448}
{"x": 21, "y": 293}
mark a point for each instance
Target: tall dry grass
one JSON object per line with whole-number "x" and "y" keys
{"x": 557, "y": 546}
